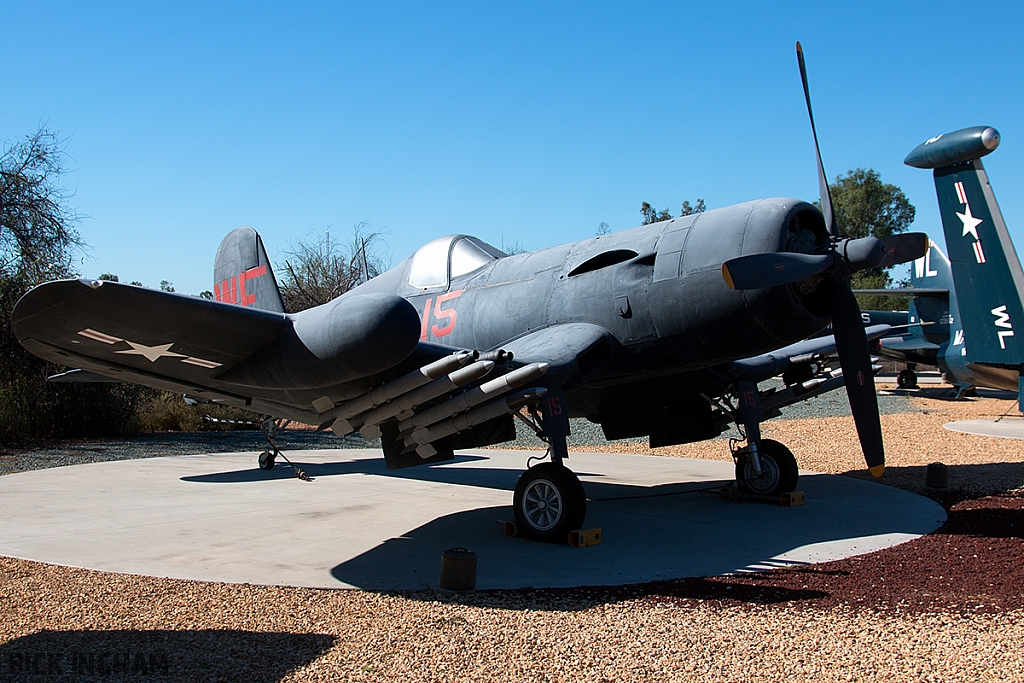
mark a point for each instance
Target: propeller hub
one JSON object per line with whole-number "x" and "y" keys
{"x": 863, "y": 253}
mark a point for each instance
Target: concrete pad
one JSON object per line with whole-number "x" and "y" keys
{"x": 1005, "y": 428}
{"x": 219, "y": 518}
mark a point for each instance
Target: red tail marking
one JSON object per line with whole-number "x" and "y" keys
{"x": 252, "y": 273}
{"x": 233, "y": 291}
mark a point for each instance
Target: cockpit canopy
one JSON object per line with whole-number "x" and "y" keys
{"x": 437, "y": 262}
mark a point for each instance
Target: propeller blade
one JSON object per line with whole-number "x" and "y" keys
{"x": 852, "y": 346}
{"x": 826, "y": 196}
{"x": 760, "y": 271}
{"x": 906, "y": 247}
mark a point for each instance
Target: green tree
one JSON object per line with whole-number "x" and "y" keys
{"x": 652, "y": 215}
{"x": 688, "y": 210}
{"x": 603, "y": 229}
{"x": 38, "y": 235}
{"x": 320, "y": 269}
{"x": 38, "y": 242}
{"x": 863, "y": 206}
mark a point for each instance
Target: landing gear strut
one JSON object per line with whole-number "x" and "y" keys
{"x": 549, "y": 499}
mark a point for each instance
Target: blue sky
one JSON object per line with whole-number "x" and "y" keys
{"x": 517, "y": 122}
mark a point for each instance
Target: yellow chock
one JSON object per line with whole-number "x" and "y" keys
{"x": 791, "y": 500}
{"x": 509, "y": 527}
{"x": 584, "y": 538}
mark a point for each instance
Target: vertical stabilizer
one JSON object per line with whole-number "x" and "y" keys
{"x": 986, "y": 270}
{"x": 242, "y": 274}
{"x": 942, "y": 324}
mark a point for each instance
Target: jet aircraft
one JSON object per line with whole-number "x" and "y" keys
{"x": 663, "y": 331}
{"x": 964, "y": 305}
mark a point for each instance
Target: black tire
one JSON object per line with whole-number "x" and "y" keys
{"x": 267, "y": 460}
{"x": 549, "y": 502}
{"x": 779, "y": 471}
{"x": 906, "y": 379}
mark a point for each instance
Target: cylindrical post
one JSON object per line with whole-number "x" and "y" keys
{"x": 458, "y": 569}
{"x": 937, "y": 476}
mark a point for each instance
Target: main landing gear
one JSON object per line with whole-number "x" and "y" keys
{"x": 549, "y": 500}
{"x": 763, "y": 467}
{"x": 779, "y": 471}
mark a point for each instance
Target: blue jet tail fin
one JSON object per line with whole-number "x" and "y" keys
{"x": 932, "y": 272}
{"x": 242, "y": 274}
{"x": 986, "y": 270}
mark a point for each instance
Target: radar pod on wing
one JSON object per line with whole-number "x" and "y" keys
{"x": 833, "y": 269}
{"x": 367, "y": 422}
{"x": 477, "y": 416}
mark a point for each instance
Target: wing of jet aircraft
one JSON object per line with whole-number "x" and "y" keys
{"x": 637, "y": 331}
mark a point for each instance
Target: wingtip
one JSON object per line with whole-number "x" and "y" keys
{"x": 877, "y": 470}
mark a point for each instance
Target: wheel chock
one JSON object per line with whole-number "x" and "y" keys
{"x": 790, "y": 500}
{"x": 509, "y": 527}
{"x": 584, "y": 538}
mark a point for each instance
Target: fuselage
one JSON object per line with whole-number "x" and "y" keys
{"x": 658, "y": 289}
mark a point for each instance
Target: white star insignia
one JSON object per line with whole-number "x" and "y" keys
{"x": 152, "y": 353}
{"x": 970, "y": 222}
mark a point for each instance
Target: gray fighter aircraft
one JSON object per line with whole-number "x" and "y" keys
{"x": 662, "y": 331}
{"x": 967, "y": 302}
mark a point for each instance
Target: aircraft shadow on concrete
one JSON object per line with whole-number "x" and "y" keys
{"x": 449, "y": 472}
{"x": 500, "y": 479}
{"x": 158, "y": 655}
{"x": 657, "y": 538}
{"x": 1002, "y": 477}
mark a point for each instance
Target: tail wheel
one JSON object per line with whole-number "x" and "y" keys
{"x": 267, "y": 460}
{"x": 906, "y": 379}
{"x": 549, "y": 502}
{"x": 779, "y": 471}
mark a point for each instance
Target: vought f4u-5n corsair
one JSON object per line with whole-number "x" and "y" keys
{"x": 662, "y": 331}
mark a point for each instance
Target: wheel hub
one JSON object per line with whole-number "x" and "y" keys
{"x": 542, "y": 504}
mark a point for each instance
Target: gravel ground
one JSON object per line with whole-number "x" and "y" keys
{"x": 946, "y": 607}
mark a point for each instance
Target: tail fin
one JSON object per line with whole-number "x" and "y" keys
{"x": 242, "y": 274}
{"x": 986, "y": 270}
{"x": 937, "y": 307}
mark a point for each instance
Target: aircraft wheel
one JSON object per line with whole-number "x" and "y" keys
{"x": 779, "y": 471}
{"x": 906, "y": 379}
{"x": 267, "y": 460}
{"x": 549, "y": 502}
